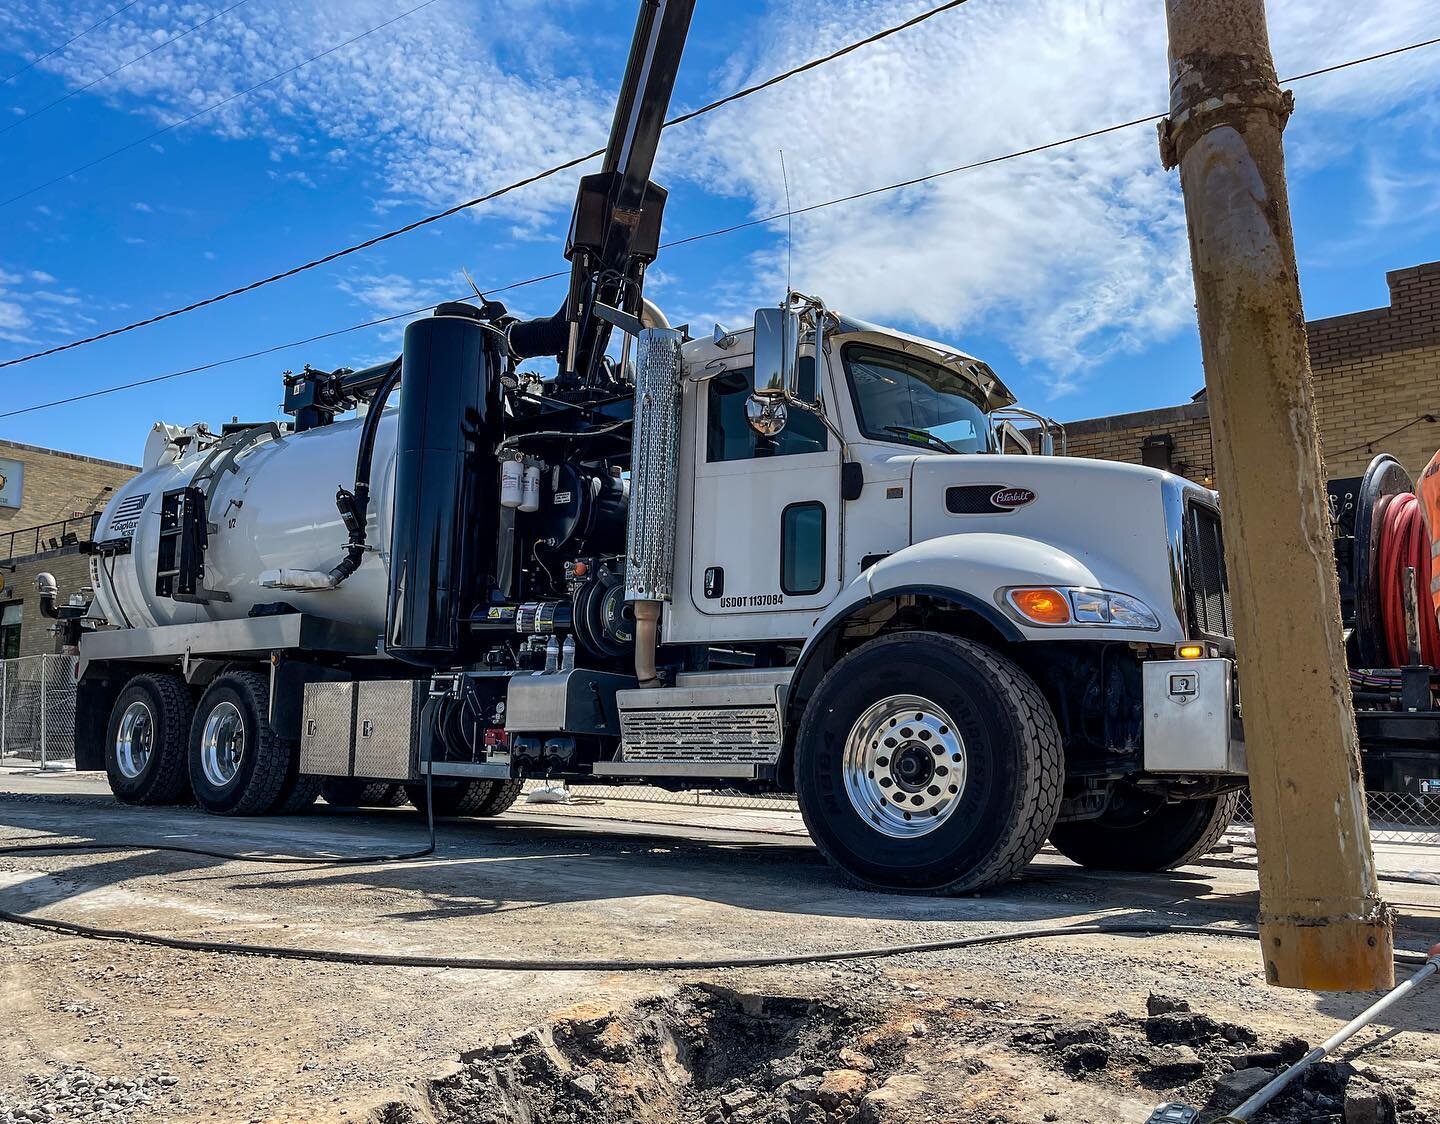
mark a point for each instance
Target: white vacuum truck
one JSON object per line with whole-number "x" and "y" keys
{"x": 791, "y": 559}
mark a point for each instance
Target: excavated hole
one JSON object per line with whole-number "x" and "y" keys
{"x": 709, "y": 1055}
{"x": 705, "y": 1055}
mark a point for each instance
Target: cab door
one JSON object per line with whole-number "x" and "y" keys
{"x": 766, "y": 517}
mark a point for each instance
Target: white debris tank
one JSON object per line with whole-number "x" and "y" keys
{"x": 273, "y": 509}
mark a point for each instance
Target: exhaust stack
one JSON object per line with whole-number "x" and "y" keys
{"x": 654, "y": 491}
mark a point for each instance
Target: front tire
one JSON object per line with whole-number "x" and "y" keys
{"x": 239, "y": 766}
{"x": 1147, "y": 837}
{"x": 145, "y": 744}
{"x": 928, "y": 763}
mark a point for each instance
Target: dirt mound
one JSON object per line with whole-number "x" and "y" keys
{"x": 1187, "y": 1056}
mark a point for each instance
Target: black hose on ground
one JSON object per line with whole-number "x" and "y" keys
{"x": 541, "y": 964}
{"x": 355, "y": 506}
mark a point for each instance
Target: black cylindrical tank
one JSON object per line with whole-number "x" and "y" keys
{"x": 443, "y": 534}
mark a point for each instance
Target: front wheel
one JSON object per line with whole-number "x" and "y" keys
{"x": 1146, "y": 834}
{"x": 928, "y": 763}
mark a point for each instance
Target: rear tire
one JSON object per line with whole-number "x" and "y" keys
{"x": 346, "y": 792}
{"x": 238, "y": 765}
{"x": 147, "y": 738}
{"x": 928, "y": 763}
{"x": 462, "y": 798}
{"x": 1161, "y": 838}
{"x": 299, "y": 794}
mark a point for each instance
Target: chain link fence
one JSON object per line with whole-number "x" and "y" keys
{"x": 37, "y": 710}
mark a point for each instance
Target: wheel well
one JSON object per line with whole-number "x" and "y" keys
{"x": 900, "y": 611}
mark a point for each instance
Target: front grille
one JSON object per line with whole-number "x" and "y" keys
{"x": 1207, "y": 588}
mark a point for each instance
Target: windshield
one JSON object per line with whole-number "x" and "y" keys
{"x": 906, "y": 400}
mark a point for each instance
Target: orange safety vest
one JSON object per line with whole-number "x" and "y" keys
{"x": 1428, "y": 493}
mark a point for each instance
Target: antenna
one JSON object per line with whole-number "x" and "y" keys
{"x": 789, "y": 227}
{"x": 466, "y": 273}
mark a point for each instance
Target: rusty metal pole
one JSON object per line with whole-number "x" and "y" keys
{"x": 1322, "y": 922}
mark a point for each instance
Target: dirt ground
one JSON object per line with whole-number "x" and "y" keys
{"x": 1077, "y": 1029}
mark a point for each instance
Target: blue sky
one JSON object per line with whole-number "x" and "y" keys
{"x": 1067, "y": 271}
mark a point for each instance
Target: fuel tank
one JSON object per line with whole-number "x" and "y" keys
{"x": 276, "y": 510}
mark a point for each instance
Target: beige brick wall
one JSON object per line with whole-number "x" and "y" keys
{"x": 59, "y": 485}
{"x": 72, "y": 572}
{"x": 1377, "y": 390}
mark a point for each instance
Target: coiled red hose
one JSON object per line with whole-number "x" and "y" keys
{"x": 1404, "y": 542}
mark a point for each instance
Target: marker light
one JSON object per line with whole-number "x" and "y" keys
{"x": 1043, "y": 606}
{"x": 1190, "y": 651}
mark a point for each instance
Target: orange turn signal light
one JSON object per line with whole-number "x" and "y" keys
{"x": 1190, "y": 651}
{"x": 1043, "y": 606}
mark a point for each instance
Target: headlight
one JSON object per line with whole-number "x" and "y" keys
{"x": 1072, "y": 605}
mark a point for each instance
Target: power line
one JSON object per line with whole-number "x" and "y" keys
{"x": 56, "y": 50}
{"x": 457, "y": 208}
{"x": 210, "y": 108}
{"x": 111, "y": 74}
{"x": 270, "y": 350}
{"x": 719, "y": 232}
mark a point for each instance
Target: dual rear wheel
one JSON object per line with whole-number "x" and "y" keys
{"x": 162, "y": 747}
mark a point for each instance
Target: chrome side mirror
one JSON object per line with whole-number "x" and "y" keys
{"x": 777, "y": 350}
{"x": 767, "y": 416}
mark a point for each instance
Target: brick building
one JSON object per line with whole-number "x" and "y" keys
{"x": 1377, "y": 390}
{"x": 47, "y": 503}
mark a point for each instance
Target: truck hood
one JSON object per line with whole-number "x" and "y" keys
{"x": 1056, "y": 521}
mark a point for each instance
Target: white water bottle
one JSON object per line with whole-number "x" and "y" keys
{"x": 530, "y": 490}
{"x": 511, "y": 475}
{"x": 567, "y": 654}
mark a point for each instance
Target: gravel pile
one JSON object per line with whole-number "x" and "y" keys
{"x": 77, "y": 1094}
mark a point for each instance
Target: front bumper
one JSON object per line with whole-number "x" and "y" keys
{"x": 1192, "y": 725}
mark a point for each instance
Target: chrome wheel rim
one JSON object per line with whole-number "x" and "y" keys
{"x": 904, "y": 766}
{"x": 222, "y": 745}
{"x": 135, "y": 739}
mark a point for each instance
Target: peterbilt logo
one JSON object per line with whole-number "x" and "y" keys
{"x": 1012, "y": 497}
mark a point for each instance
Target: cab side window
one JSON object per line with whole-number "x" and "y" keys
{"x": 729, "y": 436}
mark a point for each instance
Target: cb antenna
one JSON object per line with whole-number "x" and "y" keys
{"x": 789, "y": 227}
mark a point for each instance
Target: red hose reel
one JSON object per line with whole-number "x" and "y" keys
{"x": 1404, "y": 544}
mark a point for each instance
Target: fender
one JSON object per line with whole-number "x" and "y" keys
{"x": 966, "y": 570}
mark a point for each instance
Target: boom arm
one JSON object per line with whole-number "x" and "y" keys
{"x": 615, "y": 231}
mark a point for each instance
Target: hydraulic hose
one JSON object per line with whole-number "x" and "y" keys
{"x": 355, "y": 506}
{"x": 1404, "y": 543}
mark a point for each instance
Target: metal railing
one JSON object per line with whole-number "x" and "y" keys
{"x": 37, "y": 710}
{"x": 48, "y": 536}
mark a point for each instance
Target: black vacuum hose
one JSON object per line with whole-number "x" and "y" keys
{"x": 355, "y": 506}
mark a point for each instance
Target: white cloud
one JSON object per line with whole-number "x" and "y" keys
{"x": 1072, "y": 254}
{"x": 439, "y": 106}
{"x": 26, "y": 310}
